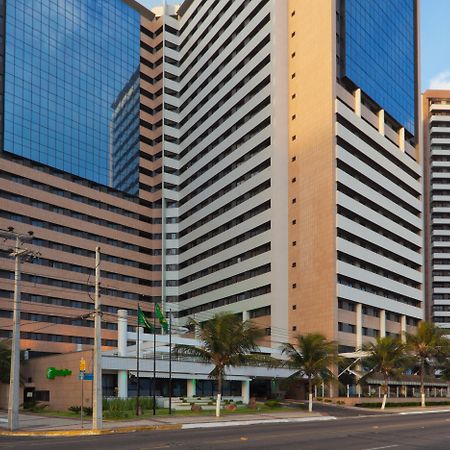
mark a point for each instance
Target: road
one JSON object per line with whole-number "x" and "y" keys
{"x": 397, "y": 432}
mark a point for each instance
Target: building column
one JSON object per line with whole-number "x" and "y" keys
{"x": 381, "y": 121}
{"x": 191, "y": 390}
{"x": 382, "y": 323}
{"x": 245, "y": 392}
{"x": 358, "y": 326}
{"x": 245, "y": 316}
{"x": 122, "y": 329}
{"x": 403, "y": 328}
{"x": 357, "y": 96}
{"x": 401, "y": 139}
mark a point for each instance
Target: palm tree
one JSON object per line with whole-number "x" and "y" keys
{"x": 387, "y": 356}
{"x": 226, "y": 341}
{"x": 426, "y": 346}
{"x": 311, "y": 356}
{"x": 5, "y": 360}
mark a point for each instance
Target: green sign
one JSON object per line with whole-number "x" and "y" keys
{"x": 52, "y": 373}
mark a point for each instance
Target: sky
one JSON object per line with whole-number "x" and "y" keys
{"x": 435, "y": 41}
{"x": 435, "y": 44}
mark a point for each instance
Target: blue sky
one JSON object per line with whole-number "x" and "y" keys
{"x": 435, "y": 31}
{"x": 435, "y": 41}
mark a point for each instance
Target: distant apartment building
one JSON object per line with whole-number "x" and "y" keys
{"x": 436, "y": 135}
{"x": 259, "y": 157}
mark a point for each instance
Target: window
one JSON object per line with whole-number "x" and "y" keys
{"x": 294, "y": 328}
{"x": 294, "y": 264}
{"x": 294, "y": 243}
{"x": 294, "y": 158}
{"x": 294, "y": 179}
{"x": 294, "y": 200}
{"x": 294, "y": 221}
{"x": 294, "y": 307}
{"x": 294, "y": 285}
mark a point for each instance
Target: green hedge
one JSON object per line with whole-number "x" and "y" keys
{"x": 118, "y": 405}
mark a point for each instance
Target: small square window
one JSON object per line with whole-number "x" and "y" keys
{"x": 294, "y": 243}
{"x": 294, "y": 307}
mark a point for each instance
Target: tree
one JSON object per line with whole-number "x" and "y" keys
{"x": 226, "y": 341}
{"x": 387, "y": 356}
{"x": 426, "y": 347}
{"x": 5, "y": 360}
{"x": 311, "y": 356}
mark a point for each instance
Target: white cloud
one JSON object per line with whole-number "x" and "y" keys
{"x": 441, "y": 81}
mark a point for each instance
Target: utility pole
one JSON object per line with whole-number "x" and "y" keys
{"x": 19, "y": 254}
{"x": 97, "y": 409}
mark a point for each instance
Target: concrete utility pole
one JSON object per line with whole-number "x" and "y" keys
{"x": 97, "y": 410}
{"x": 19, "y": 254}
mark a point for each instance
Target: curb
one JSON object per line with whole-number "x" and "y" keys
{"x": 69, "y": 433}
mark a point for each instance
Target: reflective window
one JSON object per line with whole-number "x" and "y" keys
{"x": 68, "y": 64}
{"x": 380, "y": 54}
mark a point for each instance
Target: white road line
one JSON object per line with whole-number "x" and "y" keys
{"x": 435, "y": 411}
{"x": 254, "y": 422}
{"x": 379, "y": 448}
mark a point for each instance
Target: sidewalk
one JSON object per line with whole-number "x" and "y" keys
{"x": 33, "y": 424}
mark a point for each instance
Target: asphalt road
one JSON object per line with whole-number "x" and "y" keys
{"x": 427, "y": 431}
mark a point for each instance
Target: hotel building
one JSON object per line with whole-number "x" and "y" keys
{"x": 436, "y": 137}
{"x": 259, "y": 157}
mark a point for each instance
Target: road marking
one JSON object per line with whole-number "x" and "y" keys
{"x": 379, "y": 448}
{"x": 187, "y": 426}
{"x": 434, "y": 411}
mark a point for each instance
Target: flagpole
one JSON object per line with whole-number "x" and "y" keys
{"x": 154, "y": 361}
{"x": 137, "y": 366}
{"x": 170, "y": 361}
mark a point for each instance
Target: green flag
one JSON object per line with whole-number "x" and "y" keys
{"x": 142, "y": 320}
{"x": 161, "y": 318}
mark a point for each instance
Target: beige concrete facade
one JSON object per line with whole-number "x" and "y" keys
{"x": 312, "y": 165}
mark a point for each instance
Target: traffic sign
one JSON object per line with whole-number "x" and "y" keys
{"x": 89, "y": 376}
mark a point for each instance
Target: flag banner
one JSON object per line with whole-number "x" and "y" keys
{"x": 143, "y": 321}
{"x": 161, "y": 318}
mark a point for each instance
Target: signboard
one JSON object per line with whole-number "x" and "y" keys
{"x": 52, "y": 373}
{"x": 82, "y": 364}
{"x": 89, "y": 376}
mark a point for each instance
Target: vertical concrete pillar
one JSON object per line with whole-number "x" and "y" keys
{"x": 403, "y": 328}
{"x": 245, "y": 316}
{"x": 245, "y": 391}
{"x": 401, "y": 139}
{"x": 191, "y": 390}
{"x": 358, "y": 326}
{"x": 381, "y": 121}
{"x": 382, "y": 323}
{"x": 357, "y": 96}
{"x": 122, "y": 329}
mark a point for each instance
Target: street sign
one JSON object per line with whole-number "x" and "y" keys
{"x": 82, "y": 364}
{"x": 89, "y": 376}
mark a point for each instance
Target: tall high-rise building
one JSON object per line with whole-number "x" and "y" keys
{"x": 253, "y": 156}
{"x": 436, "y": 138}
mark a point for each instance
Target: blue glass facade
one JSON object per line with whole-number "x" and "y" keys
{"x": 380, "y": 54}
{"x": 67, "y": 61}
